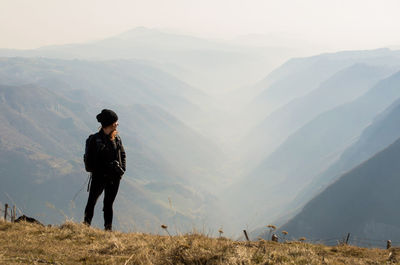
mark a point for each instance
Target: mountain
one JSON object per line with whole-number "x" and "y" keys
{"x": 292, "y": 95}
{"x": 275, "y": 183}
{"x": 362, "y": 202}
{"x": 344, "y": 86}
{"x": 299, "y": 76}
{"x": 383, "y": 131}
{"x": 48, "y": 109}
{"x": 214, "y": 67}
{"x": 210, "y": 65}
{"x": 105, "y": 82}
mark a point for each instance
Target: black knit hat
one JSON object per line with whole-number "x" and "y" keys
{"x": 107, "y": 117}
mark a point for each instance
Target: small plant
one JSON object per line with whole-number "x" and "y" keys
{"x": 220, "y": 231}
{"x": 284, "y": 233}
{"x": 165, "y": 228}
{"x": 271, "y": 229}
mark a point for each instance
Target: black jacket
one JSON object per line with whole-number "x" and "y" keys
{"x": 108, "y": 151}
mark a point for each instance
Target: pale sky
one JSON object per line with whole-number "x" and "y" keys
{"x": 351, "y": 24}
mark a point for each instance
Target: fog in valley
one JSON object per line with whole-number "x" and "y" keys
{"x": 233, "y": 131}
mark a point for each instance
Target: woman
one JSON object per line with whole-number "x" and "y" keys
{"x": 108, "y": 167}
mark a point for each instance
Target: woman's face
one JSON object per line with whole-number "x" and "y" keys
{"x": 109, "y": 129}
{"x": 114, "y": 125}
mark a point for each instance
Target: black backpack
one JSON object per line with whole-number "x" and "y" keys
{"x": 94, "y": 144}
{"x": 90, "y": 152}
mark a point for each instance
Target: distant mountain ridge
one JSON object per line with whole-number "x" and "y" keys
{"x": 273, "y": 184}
{"x": 299, "y": 76}
{"x": 110, "y": 82}
{"x": 383, "y": 131}
{"x": 344, "y": 86}
{"x": 363, "y": 202}
{"x": 207, "y": 64}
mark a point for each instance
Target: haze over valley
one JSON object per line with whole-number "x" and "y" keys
{"x": 219, "y": 134}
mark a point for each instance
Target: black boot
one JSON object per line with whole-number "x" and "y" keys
{"x": 87, "y": 220}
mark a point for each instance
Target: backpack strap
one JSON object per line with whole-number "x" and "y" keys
{"x": 118, "y": 143}
{"x": 99, "y": 142}
{"x": 100, "y": 145}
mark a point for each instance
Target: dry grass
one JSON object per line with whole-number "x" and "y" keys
{"x": 73, "y": 243}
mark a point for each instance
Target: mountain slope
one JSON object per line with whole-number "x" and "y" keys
{"x": 42, "y": 141}
{"x": 344, "y": 86}
{"x": 384, "y": 130}
{"x": 362, "y": 201}
{"x": 299, "y": 76}
{"x": 107, "y": 82}
{"x": 309, "y": 151}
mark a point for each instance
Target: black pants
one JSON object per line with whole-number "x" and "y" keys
{"x": 110, "y": 187}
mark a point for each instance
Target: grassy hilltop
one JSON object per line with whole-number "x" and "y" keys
{"x": 73, "y": 243}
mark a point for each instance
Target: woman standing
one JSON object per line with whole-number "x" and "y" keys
{"x": 108, "y": 166}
